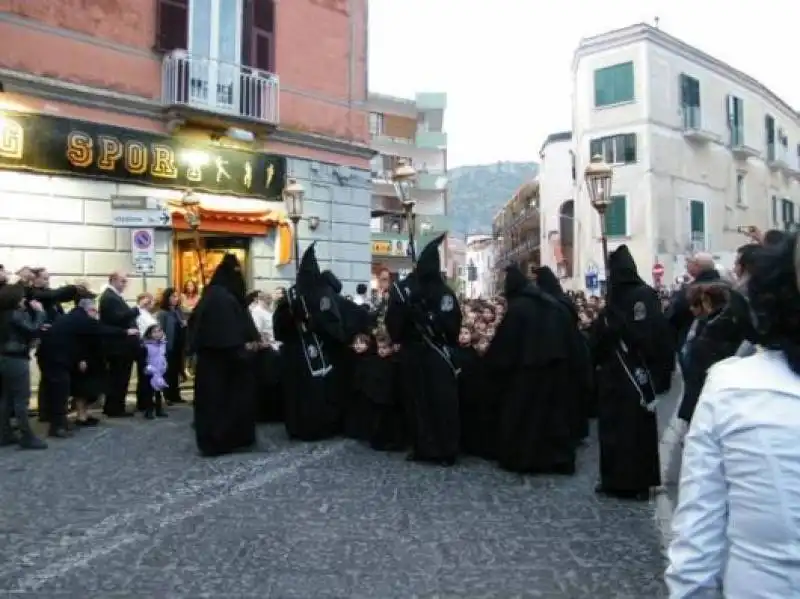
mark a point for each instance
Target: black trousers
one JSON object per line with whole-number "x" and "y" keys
{"x": 119, "y": 377}
{"x": 42, "y": 395}
{"x": 54, "y": 392}
{"x": 174, "y": 368}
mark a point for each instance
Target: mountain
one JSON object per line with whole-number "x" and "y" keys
{"x": 478, "y": 192}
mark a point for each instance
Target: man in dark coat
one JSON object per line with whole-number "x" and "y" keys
{"x": 424, "y": 317}
{"x": 308, "y": 324}
{"x": 631, "y": 342}
{"x": 583, "y": 374}
{"x": 225, "y": 340}
{"x": 121, "y": 352}
{"x": 532, "y": 357}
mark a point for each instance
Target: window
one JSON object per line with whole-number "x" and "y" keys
{"x": 616, "y": 217}
{"x": 615, "y": 149}
{"x": 690, "y": 101}
{"x": 783, "y": 147}
{"x": 787, "y": 214}
{"x": 774, "y": 211}
{"x": 741, "y": 195}
{"x": 376, "y": 123}
{"x": 697, "y": 225}
{"x": 736, "y": 120}
{"x": 769, "y": 137}
{"x": 613, "y": 85}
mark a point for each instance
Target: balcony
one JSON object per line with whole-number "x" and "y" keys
{"x": 776, "y": 158}
{"x": 692, "y": 126}
{"x": 432, "y": 140}
{"x": 431, "y": 101}
{"x": 431, "y": 181}
{"x": 215, "y": 93}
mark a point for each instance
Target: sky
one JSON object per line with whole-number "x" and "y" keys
{"x": 506, "y": 64}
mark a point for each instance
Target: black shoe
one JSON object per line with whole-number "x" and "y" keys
{"x": 149, "y": 414}
{"x": 59, "y": 433}
{"x": 32, "y": 442}
{"x": 90, "y": 421}
{"x": 120, "y": 415}
{"x": 161, "y": 414}
{"x": 448, "y": 462}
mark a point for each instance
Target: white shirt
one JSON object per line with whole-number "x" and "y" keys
{"x": 360, "y": 300}
{"x": 262, "y": 319}
{"x": 144, "y": 321}
{"x": 737, "y": 523}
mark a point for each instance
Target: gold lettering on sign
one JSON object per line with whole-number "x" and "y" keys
{"x": 80, "y": 149}
{"x": 163, "y": 162}
{"x": 136, "y": 157}
{"x": 111, "y": 150}
{"x": 12, "y": 139}
{"x": 222, "y": 172}
{"x": 248, "y": 175}
{"x": 194, "y": 173}
{"x": 270, "y": 175}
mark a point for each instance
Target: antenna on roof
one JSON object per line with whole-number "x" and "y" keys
{"x": 657, "y": 20}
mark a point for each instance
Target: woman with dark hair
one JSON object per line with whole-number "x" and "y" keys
{"x": 736, "y": 524}
{"x": 172, "y": 321}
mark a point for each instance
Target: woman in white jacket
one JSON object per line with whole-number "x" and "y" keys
{"x": 262, "y": 317}
{"x": 737, "y": 524}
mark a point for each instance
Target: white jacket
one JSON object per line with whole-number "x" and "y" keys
{"x": 262, "y": 319}
{"x": 737, "y": 524}
{"x": 144, "y": 321}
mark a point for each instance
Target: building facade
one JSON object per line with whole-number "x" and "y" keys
{"x": 478, "y": 276}
{"x": 699, "y": 150}
{"x": 111, "y": 116}
{"x": 516, "y": 229}
{"x": 410, "y": 130}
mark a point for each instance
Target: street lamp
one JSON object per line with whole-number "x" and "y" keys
{"x": 191, "y": 212}
{"x": 598, "y": 176}
{"x": 293, "y": 194}
{"x": 403, "y": 178}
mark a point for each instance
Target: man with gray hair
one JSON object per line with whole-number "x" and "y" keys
{"x": 702, "y": 270}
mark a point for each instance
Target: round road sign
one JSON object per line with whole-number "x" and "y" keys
{"x": 143, "y": 240}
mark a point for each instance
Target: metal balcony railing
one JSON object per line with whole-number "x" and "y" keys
{"x": 219, "y": 87}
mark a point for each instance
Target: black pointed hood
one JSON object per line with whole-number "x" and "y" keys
{"x": 332, "y": 280}
{"x": 548, "y": 281}
{"x": 515, "y": 281}
{"x": 622, "y": 268}
{"x": 308, "y": 274}
{"x": 429, "y": 265}
{"x": 228, "y": 275}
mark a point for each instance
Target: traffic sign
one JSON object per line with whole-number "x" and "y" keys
{"x": 143, "y": 250}
{"x": 140, "y": 211}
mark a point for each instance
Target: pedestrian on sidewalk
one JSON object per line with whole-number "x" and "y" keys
{"x": 19, "y": 328}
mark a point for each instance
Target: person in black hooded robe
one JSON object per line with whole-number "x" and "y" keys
{"x": 424, "y": 317}
{"x": 532, "y": 359}
{"x": 582, "y": 390}
{"x": 632, "y": 344}
{"x": 308, "y": 324}
{"x": 224, "y": 339}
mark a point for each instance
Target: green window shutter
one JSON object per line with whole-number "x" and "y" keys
{"x": 595, "y": 148}
{"x": 697, "y": 217}
{"x": 613, "y": 84}
{"x": 616, "y": 217}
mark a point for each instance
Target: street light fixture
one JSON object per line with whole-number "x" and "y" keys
{"x": 293, "y": 194}
{"x": 598, "y": 176}
{"x": 191, "y": 212}
{"x": 404, "y": 177}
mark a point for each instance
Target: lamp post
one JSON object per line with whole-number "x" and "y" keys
{"x": 191, "y": 212}
{"x": 598, "y": 176}
{"x": 403, "y": 178}
{"x": 293, "y": 194}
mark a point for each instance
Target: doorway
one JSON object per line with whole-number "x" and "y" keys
{"x": 186, "y": 259}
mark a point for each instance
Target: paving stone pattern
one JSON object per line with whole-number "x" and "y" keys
{"x": 129, "y": 511}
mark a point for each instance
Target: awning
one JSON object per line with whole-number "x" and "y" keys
{"x": 248, "y": 222}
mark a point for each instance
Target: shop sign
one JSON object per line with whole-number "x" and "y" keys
{"x": 397, "y": 248}
{"x": 53, "y": 145}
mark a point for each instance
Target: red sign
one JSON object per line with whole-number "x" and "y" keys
{"x": 658, "y": 270}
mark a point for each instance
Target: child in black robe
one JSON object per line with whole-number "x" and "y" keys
{"x": 387, "y": 409}
{"x": 358, "y": 416}
{"x": 469, "y": 396}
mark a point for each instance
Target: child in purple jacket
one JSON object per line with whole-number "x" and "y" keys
{"x": 155, "y": 347}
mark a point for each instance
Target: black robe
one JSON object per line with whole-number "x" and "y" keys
{"x": 224, "y": 383}
{"x": 478, "y": 408}
{"x": 311, "y": 410}
{"x": 632, "y": 344}
{"x": 531, "y": 363}
{"x": 269, "y": 392}
{"x": 430, "y": 385}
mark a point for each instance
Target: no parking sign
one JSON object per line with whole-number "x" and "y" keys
{"x": 143, "y": 250}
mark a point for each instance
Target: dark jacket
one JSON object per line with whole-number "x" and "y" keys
{"x": 115, "y": 312}
{"x": 65, "y": 345}
{"x": 20, "y": 331}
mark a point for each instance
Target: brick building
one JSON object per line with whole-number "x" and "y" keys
{"x": 112, "y": 112}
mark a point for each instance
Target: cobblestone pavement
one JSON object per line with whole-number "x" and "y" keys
{"x": 129, "y": 510}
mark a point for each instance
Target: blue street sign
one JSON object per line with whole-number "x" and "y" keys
{"x": 592, "y": 281}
